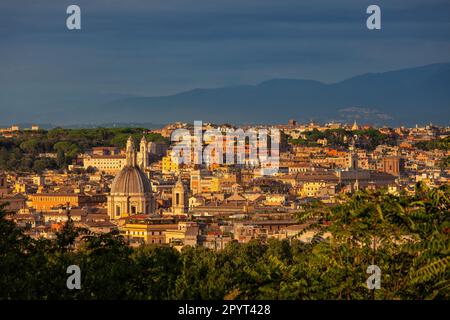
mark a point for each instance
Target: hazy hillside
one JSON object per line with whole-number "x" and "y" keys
{"x": 405, "y": 96}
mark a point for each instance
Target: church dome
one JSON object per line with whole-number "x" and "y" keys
{"x": 131, "y": 180}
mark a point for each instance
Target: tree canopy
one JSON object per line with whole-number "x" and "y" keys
{"x": 27, "y": 151}
{"x": 406, "y": 236}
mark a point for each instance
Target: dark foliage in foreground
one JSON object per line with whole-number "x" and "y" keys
{"x": 406, "y": 236}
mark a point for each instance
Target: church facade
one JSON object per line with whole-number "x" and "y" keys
{"x": 131, "y": 191}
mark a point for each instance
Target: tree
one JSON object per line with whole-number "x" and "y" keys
{"x": 61, "y": 159}
{"x": 406, "y": 236}
{"x": 30, "y": 146}
{"x": 430, "y": 269}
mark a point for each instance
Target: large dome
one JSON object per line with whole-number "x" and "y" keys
{"x": 131, "y": 180}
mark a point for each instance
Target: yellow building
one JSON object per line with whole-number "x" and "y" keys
{"x": 20, "y": 187}
{"x": 109, "y": 163}
{"x": 45, "y": 201}
{"x": 184, "y": 235}
{"x": 214, "y": 184}
{"x": 275, "y": 200}
{"x": 318, "y": 189}
{"x": 204, "y": 184}
{"x": 169, "y": 166}
{"x": 147, "y": 233}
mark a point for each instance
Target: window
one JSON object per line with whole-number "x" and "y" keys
{"x": 117, "y": 211}
{"x": 133, "y": 209}
{"x": 177, "y": 202}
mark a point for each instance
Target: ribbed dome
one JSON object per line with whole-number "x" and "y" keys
{"x": 131, "y": 180}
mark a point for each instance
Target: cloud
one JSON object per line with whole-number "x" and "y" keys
{"x": 165, "y": 46}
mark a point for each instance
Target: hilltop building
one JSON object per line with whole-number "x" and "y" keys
{"x": 111, "y": 160}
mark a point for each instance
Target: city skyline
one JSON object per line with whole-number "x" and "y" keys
{"x": 223, "y": 155}
{"x": 92, "y": 209}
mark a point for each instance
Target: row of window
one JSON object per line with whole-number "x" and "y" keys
{"x": 133, "y": 210}
{"x": 142, "y": 233}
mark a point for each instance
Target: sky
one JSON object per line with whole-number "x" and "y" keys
{"x": 162, "y": 47}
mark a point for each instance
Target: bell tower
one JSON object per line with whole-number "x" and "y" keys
{"x": 131, "y": 153}
{"x": 179, "y": 198}
{"x": 353, "y": 154}
{"x": 143, "y": 154}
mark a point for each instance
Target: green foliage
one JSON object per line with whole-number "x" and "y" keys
{"x": 22, "y": 153}
{"x": 445, "y": 163}
{"x": 440, "y": 144}
{"x": 303, "y": 142}
{"x": 40, "y": 165}
{"x": 368, "y": 138}
{"x": 406, "y": 236}
{"x": 31, "y": 145}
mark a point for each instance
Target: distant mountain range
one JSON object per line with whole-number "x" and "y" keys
{"x": 407, "y": 96}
